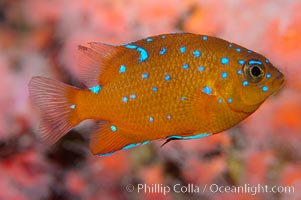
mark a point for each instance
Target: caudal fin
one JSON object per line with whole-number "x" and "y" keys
{"x": 56, "y": 101}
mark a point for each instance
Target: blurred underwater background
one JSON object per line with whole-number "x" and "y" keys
{"x": 40, "y": 37}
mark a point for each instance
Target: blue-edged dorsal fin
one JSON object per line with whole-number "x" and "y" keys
{"x": 177, "y": 137}
{"x": 94, "y": 60}
{"x": 100, "y": 63}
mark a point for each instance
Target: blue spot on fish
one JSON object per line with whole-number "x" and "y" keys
{"x": 230, "y": 100}
{"x": 239, "y": 72}
{"x": 125, "y": 99}
{"x": 155, "y": 89}
{"x": 134, "y": 145}
{"x": 183, "y": 98}
{"x": 265, "y": 88}
{"x": 251, "y": 62}
{"x": 113, "y": 128}
{"x": 163, "y": 36}
{"x": 162, "y": 51}
{"x": 225, "y": 60}
{"x": 168, "y": 117}
{"x": 224, "y": 75}
{"x": 133, "y": 96}
{"x": 149, "y": 39}
{"x": 220, "y": 100}
{"x": 150, "y": 119}
{"x": 238, "y": 49}
{"x": 230, "y": 45}
{"x": 268, "y": 75}
{"x": 131, "y": 46}
{"x": 145, "y": 75}
{"x": 249, "y": 51}
{"x": 182, "y": 49}
{"x": 143, "y": 52}
{"x": 197, "y": 53}
{"x": 201, "y": 68}
{"x": 245, "y": 83}
{"x": 122, "y": 69}
{"x": 267, "y": 61}
{"x": 167, "y": 77}
{"x": 241, "y": 62}
{"x": 185, "y": 66}
{"x": 95, "y": 89}
{"x": 72, "y": 106}
{"x": 205, "y": 38}
{"x": 206, "y": 90}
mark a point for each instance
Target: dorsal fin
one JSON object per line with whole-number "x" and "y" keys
{"x": 100, "y": 63}
{"x": 93, "y": 61}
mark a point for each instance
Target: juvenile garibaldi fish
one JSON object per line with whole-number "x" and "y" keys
{"x": 172, "y": 86}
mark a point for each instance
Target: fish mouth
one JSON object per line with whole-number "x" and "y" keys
{"x": 278, "y": 81}
{"x": 280, "y": 77}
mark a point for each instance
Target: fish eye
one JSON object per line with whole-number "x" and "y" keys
{"x": 254, "y": 71}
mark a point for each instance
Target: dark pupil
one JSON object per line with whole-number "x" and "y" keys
{"x": 255, "y": 71}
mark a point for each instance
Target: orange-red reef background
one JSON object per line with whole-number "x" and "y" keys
{"x": 40, "y": 37}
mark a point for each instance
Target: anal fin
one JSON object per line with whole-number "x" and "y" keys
{"x": 109, "y": 138}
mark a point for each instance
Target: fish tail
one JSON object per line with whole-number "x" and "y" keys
{"x": 57, "y": 102}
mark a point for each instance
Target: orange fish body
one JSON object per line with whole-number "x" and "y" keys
{"x": 173, "y": 86}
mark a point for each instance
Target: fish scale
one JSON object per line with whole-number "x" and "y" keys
{"x": 172, "y": 86}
